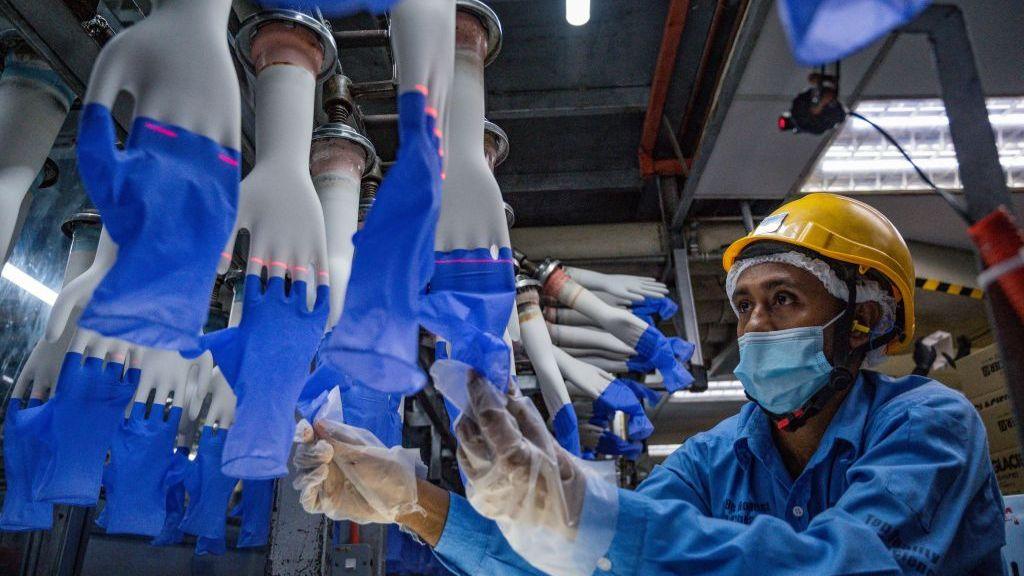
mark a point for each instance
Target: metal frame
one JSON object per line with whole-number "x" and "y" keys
{"x": 984, "y": 184}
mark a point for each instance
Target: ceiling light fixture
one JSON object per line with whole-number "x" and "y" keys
{"x": 577, "y": 12}
{"x": 29, "y": 284}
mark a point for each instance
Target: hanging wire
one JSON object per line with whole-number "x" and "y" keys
{"x": 946, "y": 195}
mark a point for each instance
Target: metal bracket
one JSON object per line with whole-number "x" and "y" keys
{"x": 686, "y": 321}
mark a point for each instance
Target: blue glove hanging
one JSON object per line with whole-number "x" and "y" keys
{"x": 254, "y": 510}
{"x": 214, "y": 546}
{"x": 566, "y": 428}
{"x": 619, "y": 396}
{"x": 87, "y": 409}
{"x": 639, "y": 365}
{"x": 209, "y": 490}
{"x": 825, "y": 31}
{"x": 471, "y": 296}
{"x": 667, "y": 355}
{"x": 613, "y": 445}
{"x": 643, "y": 393}
{"x": 23, "y": 427}
{"x": 333, "y": 8}
{"x": 266, "y": 360}
{"x": 174, "y": 502}
{"x": 375, "y": 341}
{"x": 169, "y": 201}
{"x": 375, "y": 411}
{"x": 665, "y": 308}
{"x": 141, "y": 456}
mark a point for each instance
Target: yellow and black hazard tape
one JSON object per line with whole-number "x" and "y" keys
{"x": 933, "y": 285}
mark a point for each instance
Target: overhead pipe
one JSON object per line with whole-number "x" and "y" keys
{"x": 675, "y": 23}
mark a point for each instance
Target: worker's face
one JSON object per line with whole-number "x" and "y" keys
{"x": 775, "y": 296}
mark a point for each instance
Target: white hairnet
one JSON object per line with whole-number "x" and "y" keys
{"x": 867, "y": 290}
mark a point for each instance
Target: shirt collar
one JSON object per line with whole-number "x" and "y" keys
{"x": 754, "y": 435}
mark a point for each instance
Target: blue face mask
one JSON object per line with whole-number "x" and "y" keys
{"x": 782, "y": 370}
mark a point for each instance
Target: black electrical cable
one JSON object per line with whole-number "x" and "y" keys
{"x": 946, "y": 195}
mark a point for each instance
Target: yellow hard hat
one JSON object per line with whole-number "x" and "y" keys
{"x": 845, "y": 230}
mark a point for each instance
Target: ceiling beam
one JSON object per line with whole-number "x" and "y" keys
{"x": 576, "y": 181}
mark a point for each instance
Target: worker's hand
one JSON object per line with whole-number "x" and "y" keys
{"x": 520, "y": 477}
{"x": 348, "y": 474}
{"x": 620, "y": 286}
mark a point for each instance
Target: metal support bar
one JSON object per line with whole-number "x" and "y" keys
{"x": 983, "y": 180}
{"x": 687, "y": 324}
{"x": 298, "y": 541}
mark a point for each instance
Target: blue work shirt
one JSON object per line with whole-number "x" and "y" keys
{"x": 901, "y": 483}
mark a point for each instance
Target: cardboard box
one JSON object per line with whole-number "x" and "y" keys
{"x": 1009, "y": 468}
{"x": 981, "y": 373}
{"x": 996, "y": 412}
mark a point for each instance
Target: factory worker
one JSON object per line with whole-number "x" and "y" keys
{"x": 830, "y": 469}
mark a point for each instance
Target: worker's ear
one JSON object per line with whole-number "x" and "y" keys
{"x": 866, "y": 317}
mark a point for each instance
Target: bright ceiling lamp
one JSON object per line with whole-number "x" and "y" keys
{"x": 577, "y": 12}
{"x": 29, "y": 284}
{"x": 859, "y": 160}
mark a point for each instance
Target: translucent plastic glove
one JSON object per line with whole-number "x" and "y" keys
{"x": 648, "y": 308}
{"x": 33, "y": 105}
{"x": 86, "y": 410}
{"x": 620, "y": 396}
{"x": 181, "y": 162}
{"x": 266, "y": 359}
{"x": 540, "y": 496}
{"x": 254, "y": 510}
{"x": 667, "y": 355}
{"x": 209, "y": 490}
{"x": 174, "y": 500}
{"x": 24, "y": 424}
{"x": 333, "y": 8}
{"x": 348, "y": 474}
{"x": 140, "y": 458}
{"x": 632, "y": 288}
{"x": 375, "y": 342}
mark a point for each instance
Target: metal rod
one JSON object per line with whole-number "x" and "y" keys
{"x": 748, "y": 217}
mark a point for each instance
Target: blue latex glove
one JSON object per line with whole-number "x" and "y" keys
{"x": 254, "y": 510}
{"x": 663, "y": 307}
{"x": 638, "y": 364}
{"x": 825, "y": 31}
{"x": 214, "y": 546}
{"x": 619, "y": 396}
{"x": 469, "y": 303}
{"x": 612, "y": 445}
{"x": 23, "y": 427}
{"x": 375, "y": 411}
{"x": 643, "y": 393}
{"x": 140, "y": 457}
{"x": 266, "y": 360}
{"x": 566, "y": 428}
{"x": 174, "y": 502}
{"x": 87, "y": 409}
{"x": 209, "y": 490}
{"x": 333, "y": 8}
{"x": 376, "y": 340}
{"x": 169, "y": 201}
{"x": 667, "y": 355}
